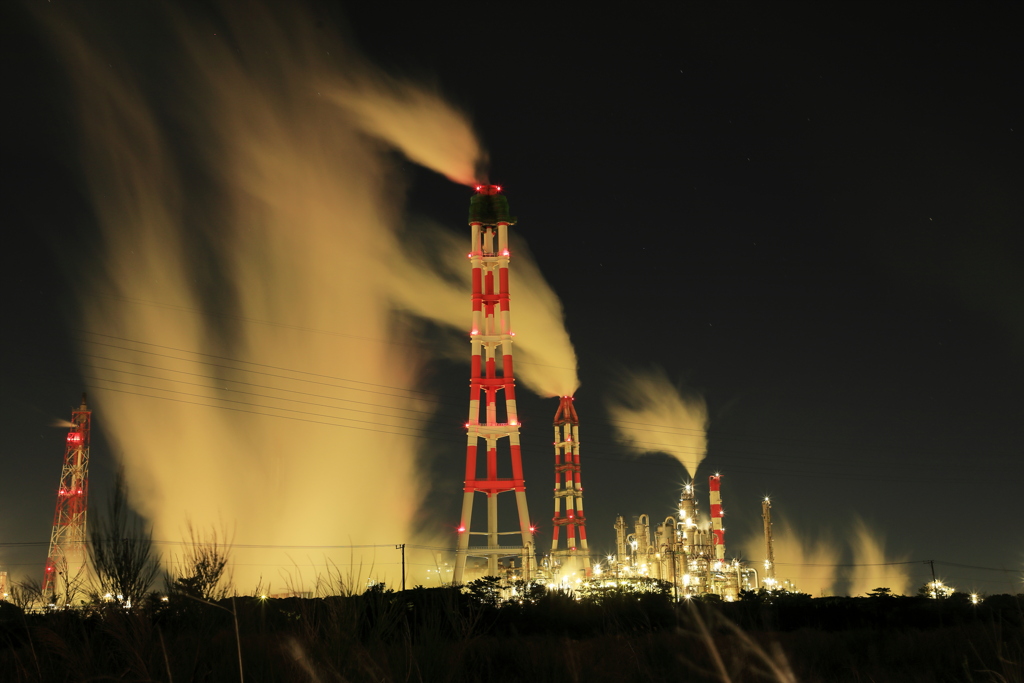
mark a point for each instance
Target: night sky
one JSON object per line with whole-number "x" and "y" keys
{"x": 810, "y": 216}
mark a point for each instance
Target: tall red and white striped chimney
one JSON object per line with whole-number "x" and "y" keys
{"x": 717, "y": 530}
{"x": 492, "y": 391}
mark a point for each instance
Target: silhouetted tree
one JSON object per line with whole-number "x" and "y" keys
{"x": 121, "y": 550}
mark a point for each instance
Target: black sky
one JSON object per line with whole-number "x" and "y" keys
{"x": 812, "y": 216}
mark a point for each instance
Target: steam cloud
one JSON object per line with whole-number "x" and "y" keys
{"x": 545, "y": 359}
{"x": 808, "y": 563}
{"x": 645, "y": 402}
{"x": 812, "y": 564}
{"x": 248, "y": 213}
{"x": 874, "y": 569}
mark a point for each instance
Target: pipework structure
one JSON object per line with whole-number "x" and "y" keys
{"x": 492, "y": 391}
{"x": 66, "y": 561}
{"x": 681, "y": 550}
{"x": 568, "y": 491}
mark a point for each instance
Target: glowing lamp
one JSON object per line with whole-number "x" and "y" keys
{"x": 75, "y": 437}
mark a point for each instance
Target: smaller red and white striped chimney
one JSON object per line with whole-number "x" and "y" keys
{"x": 568, "y": 488}
{"x": 718, "y": 532}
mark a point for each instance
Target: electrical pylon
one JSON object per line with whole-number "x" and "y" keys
{"x": 66, "y": 562}
{"x": 569, "y": 490}
{"x": 492, "y": 394}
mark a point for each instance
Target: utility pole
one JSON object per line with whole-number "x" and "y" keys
{"x": 401, "y": 546}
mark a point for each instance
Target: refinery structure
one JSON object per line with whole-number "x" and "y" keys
{"x": 680, "y": 550}
{"x": 685, "y": 550}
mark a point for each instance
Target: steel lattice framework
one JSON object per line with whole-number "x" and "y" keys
{"x": 568, "y": 489}
{"x": 67, "y": 557}
{"x": 492, "y": 390}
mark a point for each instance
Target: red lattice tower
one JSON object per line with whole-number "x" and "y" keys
{"x": 492, "y": 390}
{"x": 568, "y": 489}
{"x": 66, "y": 561}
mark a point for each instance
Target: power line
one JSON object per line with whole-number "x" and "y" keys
{"x": 647, "y": 446}
{"x": 771, "y": 462}
{"x": 451, "y": 400}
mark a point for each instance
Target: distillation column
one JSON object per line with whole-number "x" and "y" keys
{"x": 769, "y": 544}
{"x": 492, "y": 390}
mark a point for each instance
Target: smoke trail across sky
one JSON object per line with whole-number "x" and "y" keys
{"x": 544, "y": 355}
{"x": 247, "y": 204}
{"x": 652, "y": 416}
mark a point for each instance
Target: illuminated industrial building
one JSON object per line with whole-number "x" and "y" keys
{"x": 680, "y": 551}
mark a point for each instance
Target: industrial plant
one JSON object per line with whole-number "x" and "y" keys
{"x": 685, "y": 551}
{"x": 679, "y": 550}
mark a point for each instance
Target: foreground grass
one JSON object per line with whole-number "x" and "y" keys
{"x": 442, "y": 635}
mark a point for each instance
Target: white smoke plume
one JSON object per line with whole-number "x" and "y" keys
{"x": 242, "y": 344}
{"x": 652, "y": 416}
{"x": 872, "y": 568}
{"x": 545, "y": 359}
{"x": 808, "y": 564}
{"x": 813, "y": 563}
